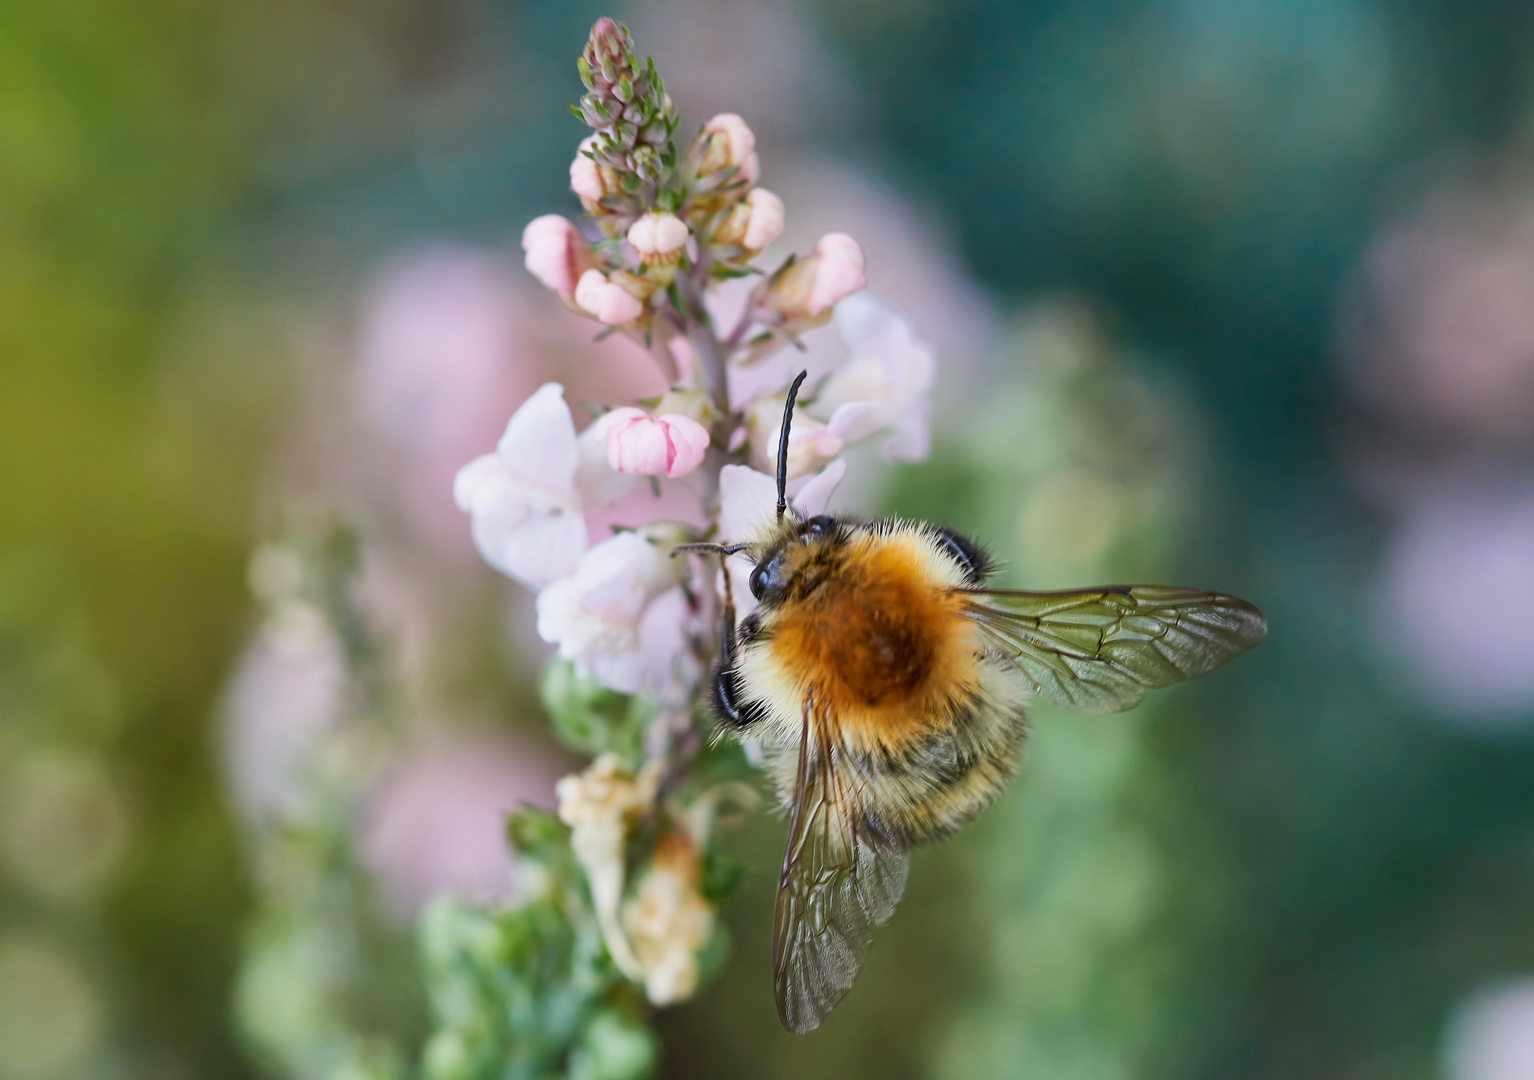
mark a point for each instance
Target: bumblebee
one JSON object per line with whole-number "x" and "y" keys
{"x": 889, "y": 681}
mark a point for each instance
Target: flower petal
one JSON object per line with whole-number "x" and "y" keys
{"x": 539, "y": 443}
{"x": 814, "y": 495}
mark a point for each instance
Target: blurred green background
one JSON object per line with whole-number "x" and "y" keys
{"x": 1259, "y": 283}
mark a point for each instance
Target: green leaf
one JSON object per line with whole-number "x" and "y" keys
{"x": 721, "y": 877}
{"x": 589, "y": 718}
{"x": 614, "y": 1046}
{"x": 532, "y": 831}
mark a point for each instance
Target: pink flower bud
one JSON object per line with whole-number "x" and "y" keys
{"x": 670, "y": 445}
{"x": 766, "y": 219}
{"x": 811, "y": 287}
{"x": 727, "y": 142}
{"x": 750, "y": 170}
{"x": 658, "y": 236}
{"x": 556, "y": 253}
{"x": 591, "y": 181}
{"x": 839, "y": 272}
{"x": 753, "y": 223}
{"x": 610, "y": 302}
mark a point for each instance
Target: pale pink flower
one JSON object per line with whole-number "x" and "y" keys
{"x": 594, "y": 615}
{"x": 610, "y": 302}
{"x": 753, "y": 223}
{"x": 525, "y": 510}
{"x": 557, "y": 254}
{"x": 658, "y": 236}
{"x": 670, "y": 445}
{"x": 808, "y": 290}
{"x": 889, "y": 370}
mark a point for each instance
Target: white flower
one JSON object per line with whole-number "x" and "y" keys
{"x": 526, "y": 511}
{"x": 594, "y": 617}
{"x": 668, "y": 921}
{"x": 889, "y": 367}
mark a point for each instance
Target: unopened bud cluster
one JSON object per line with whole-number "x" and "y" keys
{"x": 658, "y": 212}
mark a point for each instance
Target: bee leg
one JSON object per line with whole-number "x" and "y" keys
{"x": 732, "y": 711}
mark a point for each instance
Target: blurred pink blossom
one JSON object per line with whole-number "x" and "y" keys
{"x": 1491, "y": 1034}
{"x": 669, "y": 445}
{"x": 285, "y": 695}
{"x": 1458, "y": 580}
{"x": 1440, "y": 330}
{"x": 442, "y": 361}
{"x": 436, "y": 822}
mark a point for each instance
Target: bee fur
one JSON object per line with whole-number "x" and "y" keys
{"x": 871, "y": 617}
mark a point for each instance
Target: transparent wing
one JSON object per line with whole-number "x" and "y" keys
{"x": 1099, "y": 650}
{"x": 841, "y": 878}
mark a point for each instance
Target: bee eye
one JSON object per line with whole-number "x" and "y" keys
{"x": 819, "y": 525}
{"x": 758, "y": 580}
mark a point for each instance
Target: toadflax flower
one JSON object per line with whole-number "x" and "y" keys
{"x": 889, "y": 372}
{"x": 667, "y": 445}
{"x": 595, "y": 615}
{"x": 526, "y": 513}
{"x": 668, "y": 920}
{"x": 597, "y": 805}
{"x": 803, "y": 293}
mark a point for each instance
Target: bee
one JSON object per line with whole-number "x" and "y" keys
{"x": 888, "y": 681}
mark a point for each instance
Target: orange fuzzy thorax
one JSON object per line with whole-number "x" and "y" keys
{"x": 879, "y": 635}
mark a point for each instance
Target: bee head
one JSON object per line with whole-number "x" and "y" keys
{"x": 795, "y": 546}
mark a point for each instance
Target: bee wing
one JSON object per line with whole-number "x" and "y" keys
{"x": 1098, "y": 650}
{"x": 841, "y": 878}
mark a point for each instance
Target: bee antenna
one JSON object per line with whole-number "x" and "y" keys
{"x": 788, "y": 419}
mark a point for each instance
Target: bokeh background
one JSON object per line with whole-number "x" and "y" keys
{"x": 1235, "y": 294}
